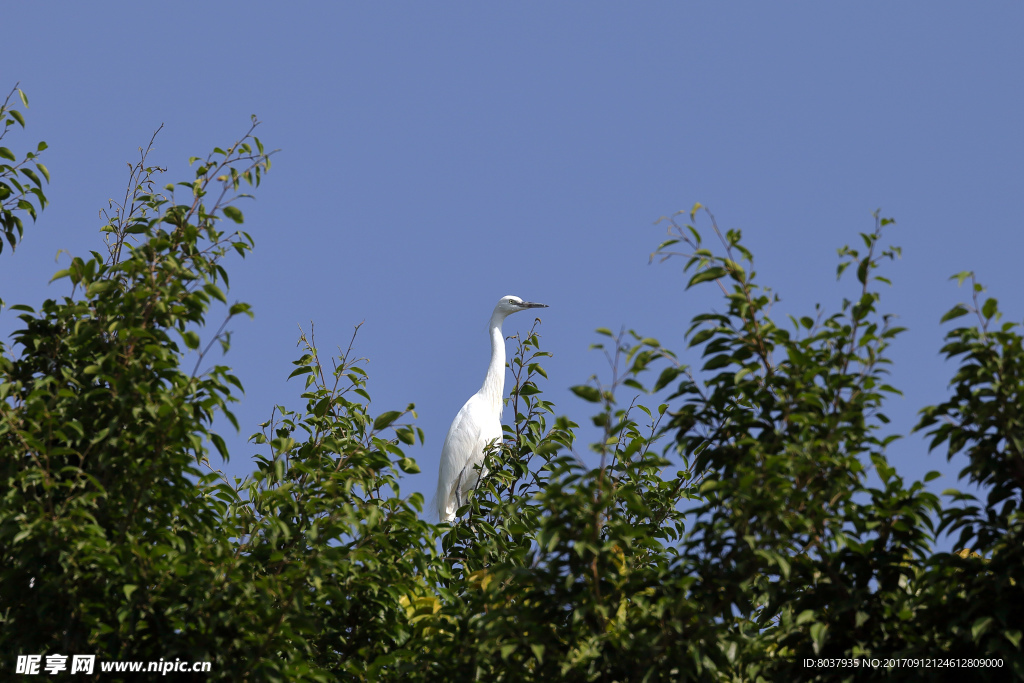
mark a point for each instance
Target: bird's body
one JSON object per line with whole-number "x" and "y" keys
{"x": 478, "y": 423}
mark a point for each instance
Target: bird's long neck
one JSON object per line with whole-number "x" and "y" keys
{"x": 494, "y": 381}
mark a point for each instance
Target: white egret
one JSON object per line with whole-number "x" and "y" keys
{"x": 478, "y": 423}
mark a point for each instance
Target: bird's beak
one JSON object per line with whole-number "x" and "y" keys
{"x": 530, "y": 304}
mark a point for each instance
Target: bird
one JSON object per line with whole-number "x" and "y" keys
{"x": 478, "y": 423}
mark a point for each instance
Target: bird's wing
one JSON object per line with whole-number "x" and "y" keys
{"x": 471, "y": 430}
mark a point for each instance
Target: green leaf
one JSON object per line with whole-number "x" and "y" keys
{"x": 666, "y": 377}
{"x": 385, "y": 419}
{"x": 712, "y": 273}
{"x": 741, "y": 373}
{"x": 586, "y": 392}
{"x": 818, "y": 633}
{"x": 709, "y": 485}
{"x": 215, "y": 292}
{"x": 31, "y": 175}
{"x": 234, "y": 214}
{"x": 989, "y": 308}
{"x": 961, "y": 276}
{"x": 784, "y": 566}
{"x": 954, "y": 312}
{"x": 406, "y": 435}
{"x": 222, "y": 447}
{"x": 99, "y": 287}
{"x": 529, "y": 389}
{"x": 980, "y": 626}
{"x": 862, "y": 271}
{"x": 719, "y": 361}
{"x": 735, "y": 270}
{"x": 702, "y": 336}
{"x": 191, "y": 339}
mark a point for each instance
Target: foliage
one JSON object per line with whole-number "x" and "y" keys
{"x": 746, "y": 520}
{"x": 21, "y": 188}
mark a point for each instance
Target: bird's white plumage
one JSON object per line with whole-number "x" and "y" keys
{"x": 478, "y": 423}
{"x": 473, "y": 428}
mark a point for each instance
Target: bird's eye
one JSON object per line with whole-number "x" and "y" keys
{"x": 511, "y": 301}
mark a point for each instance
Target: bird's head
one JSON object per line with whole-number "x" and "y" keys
{"x": 513, "y": 304}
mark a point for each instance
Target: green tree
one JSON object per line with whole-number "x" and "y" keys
{"x": 723, "y": 527}
{"x": 21, "y": 187}
{"x": 116, "y": 535}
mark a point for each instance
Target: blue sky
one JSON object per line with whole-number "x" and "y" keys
{"x": 436, "y": 156}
